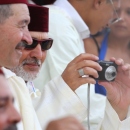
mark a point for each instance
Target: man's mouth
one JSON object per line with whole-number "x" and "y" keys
{"x": 12, "y": 127}
{"x": 32, "y": 64}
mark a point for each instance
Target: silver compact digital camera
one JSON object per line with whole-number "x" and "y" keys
{"x": 109, "y": 70}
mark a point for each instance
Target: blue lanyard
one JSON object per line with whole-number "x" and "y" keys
{"x": 98, "y": 88}
{"x": 103, "y": 48}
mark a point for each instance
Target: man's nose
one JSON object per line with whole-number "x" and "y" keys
{"x": 27, "y": 37}
{"x": 37, "y": 52}
{"x": 14, "y": 116}
{"x": 122, "y": 15}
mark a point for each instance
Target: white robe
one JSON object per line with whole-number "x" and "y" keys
{"x": 67, "y": 45}
{"x": 58, "y": 100}
{"x": 23, "y": 102}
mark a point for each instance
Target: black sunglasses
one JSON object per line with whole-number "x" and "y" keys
{"x": 45, "y": 44}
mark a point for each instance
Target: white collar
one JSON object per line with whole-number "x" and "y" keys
{"x": 80, "y": 25}
{"x": 34, "y": 92}
{"x": 8, "y": 73}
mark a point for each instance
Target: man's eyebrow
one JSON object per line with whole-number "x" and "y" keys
{"x": 25, "y": 21}
{"x": 6, "y": 99}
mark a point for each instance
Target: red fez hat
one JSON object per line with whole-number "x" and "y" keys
{"x": 43, "y": 2}
{"x": 39, "y": 18}
{"x": 13, "y": 1}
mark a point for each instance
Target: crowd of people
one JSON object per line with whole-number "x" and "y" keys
{"x": 49, "y": 53}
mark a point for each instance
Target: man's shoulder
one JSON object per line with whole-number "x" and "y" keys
{"x": 57, "y": 10}
{"x": 8, "y": 73}
{"x": 12, "y": 77}
{"x": 59, "y": 20}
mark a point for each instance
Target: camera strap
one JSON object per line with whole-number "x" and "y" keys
{"x": 98, "y": 88}
{"x": 88, "y": 110}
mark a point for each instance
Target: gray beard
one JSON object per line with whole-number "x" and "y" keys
{"x": 27, "y": 76}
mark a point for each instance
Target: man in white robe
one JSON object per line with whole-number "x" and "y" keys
{"x": 35, "y": 55}
{"x": 30, "y": 120}
{"x": 68, "y": 19}
{"x": 14, "y": 20}
{"x": 57, "y": 107}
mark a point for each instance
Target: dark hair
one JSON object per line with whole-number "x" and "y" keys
{"x": 43, "y": 2}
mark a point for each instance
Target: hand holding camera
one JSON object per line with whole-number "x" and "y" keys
{"x": 109, "y": 70}
{"x": 118, "y": 91}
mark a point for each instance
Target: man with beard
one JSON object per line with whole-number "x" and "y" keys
{"x": 9, "y": 117}
{"x": 71, "y": 21}
{"x": 14, "y": 29}
{"x": 54, "y": 101}
{"x": 30, "y": 63}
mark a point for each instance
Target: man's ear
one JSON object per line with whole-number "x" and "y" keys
{"x": 97, "y": 3}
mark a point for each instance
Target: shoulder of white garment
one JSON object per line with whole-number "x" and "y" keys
{"x": 8, "y": 73}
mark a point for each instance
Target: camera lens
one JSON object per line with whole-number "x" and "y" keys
{"x": 110, "y": 73}
{"x": 113, "y": 74}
